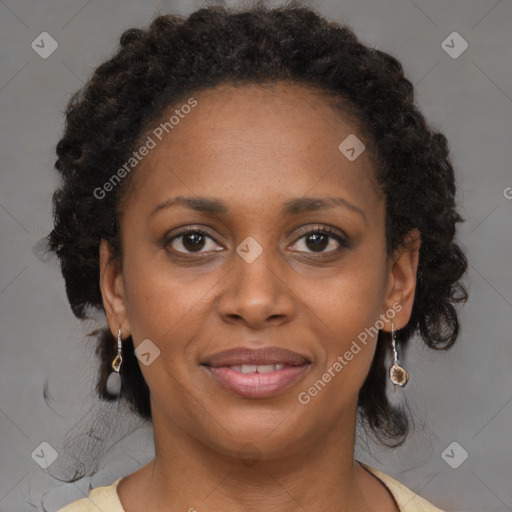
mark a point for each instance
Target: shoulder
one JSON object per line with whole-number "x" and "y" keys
{"x": 100, "y": 499}
{"x": 105, "y": 499}
{"x": 407, "y": 500}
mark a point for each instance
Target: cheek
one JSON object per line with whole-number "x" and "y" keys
{"x": 151, "y": 305}
{"x": 165, "y": 305}
{"x": 349, "y": 308}
{"x": 352, "y": 299}
{"x": 348, "y": 342}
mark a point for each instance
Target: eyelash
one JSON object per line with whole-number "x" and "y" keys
{"x": 324, "y": 230}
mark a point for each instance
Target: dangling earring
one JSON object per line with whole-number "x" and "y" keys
{"x": 114, "y": 379}
{"x": 397, "y": 374}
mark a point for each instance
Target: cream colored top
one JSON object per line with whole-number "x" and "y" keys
{"x": 106, "y": 499}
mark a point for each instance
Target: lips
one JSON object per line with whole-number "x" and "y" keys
{"x": 262, "y": 356}
{"x": 256, "y": 373}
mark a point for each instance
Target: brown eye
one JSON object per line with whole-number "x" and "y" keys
{"x": 319, "y": 239}
{"x": 190, "y": 241}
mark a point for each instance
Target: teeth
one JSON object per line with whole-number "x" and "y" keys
{"x": 259, "y": 368}
{"x": 265, "y": 368}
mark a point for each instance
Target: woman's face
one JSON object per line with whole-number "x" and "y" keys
{"x": 252, "y": 159}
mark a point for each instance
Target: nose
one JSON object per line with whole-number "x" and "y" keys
{"x": 256, "y": 293}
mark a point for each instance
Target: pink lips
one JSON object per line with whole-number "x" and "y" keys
{"x": 256, "y": 385}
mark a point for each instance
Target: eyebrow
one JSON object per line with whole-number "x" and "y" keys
{"x": 214, "y": 206}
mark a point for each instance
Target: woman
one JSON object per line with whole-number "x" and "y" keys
{"x": 265, "y": 217}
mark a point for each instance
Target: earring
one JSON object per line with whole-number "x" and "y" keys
{"x": 397, "y": 374}
{"x": 114, "y": 379}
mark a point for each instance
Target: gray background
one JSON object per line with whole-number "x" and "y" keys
{"x": 463, "y": 396}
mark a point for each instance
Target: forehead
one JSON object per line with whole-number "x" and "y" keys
{"x": 255, "y": 139}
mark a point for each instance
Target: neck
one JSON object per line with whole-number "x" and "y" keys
{"x": 320, "y": 475}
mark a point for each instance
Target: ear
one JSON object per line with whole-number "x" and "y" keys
{"x": 112, "y": 292}
{"x": 401, "y": 280}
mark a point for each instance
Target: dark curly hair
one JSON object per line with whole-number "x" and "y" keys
{"x": 156, "y": 68}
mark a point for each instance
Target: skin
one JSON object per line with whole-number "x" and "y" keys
{"x": 255, "y": 148}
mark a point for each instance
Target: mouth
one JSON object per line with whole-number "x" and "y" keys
{"x": 259, "y": 373}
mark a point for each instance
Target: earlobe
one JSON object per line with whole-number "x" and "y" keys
{"x": 401, "y": 286}
{"x": 112, "y": 291}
